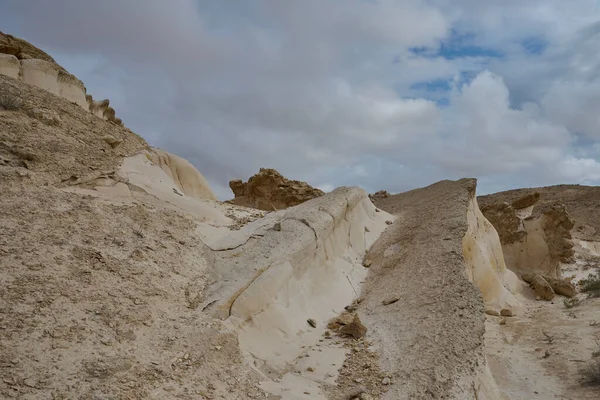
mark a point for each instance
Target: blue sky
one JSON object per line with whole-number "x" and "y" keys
{"x": 380, "y": 94}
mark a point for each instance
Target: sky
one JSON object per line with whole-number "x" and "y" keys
{"x": 379, "y": 94}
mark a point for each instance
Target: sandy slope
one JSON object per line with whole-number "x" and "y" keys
{"x": 100, "y": 283}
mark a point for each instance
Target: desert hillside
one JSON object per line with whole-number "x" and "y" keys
{"x": 123, "y": 277}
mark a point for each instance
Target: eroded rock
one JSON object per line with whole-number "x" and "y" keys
{"x": 535, "y": 234}
{"x": 355, "y": 329}
{"x": 542, "y": 287}
{"x": 269, "y": 190}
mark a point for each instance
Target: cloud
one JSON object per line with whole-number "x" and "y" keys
{"x": 381, "y": 94}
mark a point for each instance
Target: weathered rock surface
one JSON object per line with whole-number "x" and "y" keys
{"x": 536, "y": 237}
{"x": 433, "y": 341}
{"x": 23, "y": 50}
{"x": 562, "y": 287}
{"x": 542, "y": 287}
{"x": 23, "y": 61}
{"x": 269, "y": 190}
{"x": 559, "y": 286}
{"x": 355, "y": 328}
{"x": 382, "y": 194}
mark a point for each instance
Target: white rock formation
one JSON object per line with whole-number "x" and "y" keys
{"x": 187, "y": 178}
{"x": 10, "y": 66}
{"x": 485, "y": 262}
{"x": 47, "y": 75}
{"x": 72, "y": 89}
{"x": 301, "y": 263}
{"x": 40, "y": 73}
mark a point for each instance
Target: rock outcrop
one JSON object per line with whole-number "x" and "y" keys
{"x": 269, "y": 190}
{"x": 187, "y": 178}
{"x": 21, "y": 60}
{"x": 439, "y": 258}
{"x": 381, "y": 194}
{"x": 536, "y": 237}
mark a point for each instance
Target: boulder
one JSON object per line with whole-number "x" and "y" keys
{"x": 562, "y": 287}
{"x": 542, "y": 287}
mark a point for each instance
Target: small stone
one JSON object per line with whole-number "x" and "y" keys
{"x": 112, "y": 141}
{"x": 546, "y": 354}
{"x": 367, "y": 263}
{"x": 277, "y": 227}
{"x": 218, "y": 347}
{"x": 493, "y": 312}
{"x": 505, "y": 312}
{"x": 310, "y": 369}
{"x": 30, "y": 382}
{"x": 355, "y": 329}
{"x": 386, "y": 381}
{"x": 333, "y": 325}
{"x": 388, "y": 222}
{"x": 312, "y": 322}
{"x": 390, "y": 300}
{"x": 358, "y": 380}
{"x": 503, "y": 321}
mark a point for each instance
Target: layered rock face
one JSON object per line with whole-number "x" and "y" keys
{"x": 536, "y": 237}
{"x": 269, "y": 190}
{"x": 21, "y": 60}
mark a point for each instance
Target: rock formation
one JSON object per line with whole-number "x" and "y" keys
{"x": 269, "y": 190}
{"x": 187, "y": 178}
{"x": 536, "y": 237}
{"x": 542, "y": 283}
{"x": 443, "y": 260}
{"x": 382, "y": 194}
{"x": 21, "y": 60}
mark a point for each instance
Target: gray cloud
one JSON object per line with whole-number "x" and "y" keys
{"x": 322, "y": 90}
